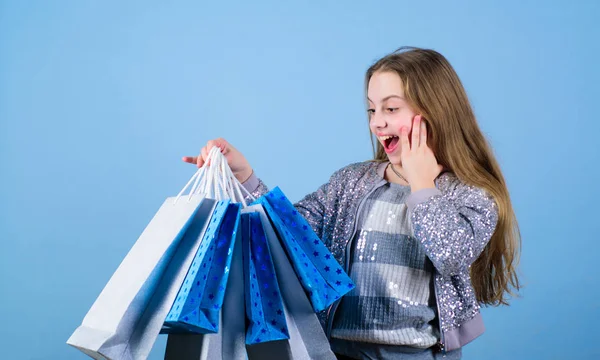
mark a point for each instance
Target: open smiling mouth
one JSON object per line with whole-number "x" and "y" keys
{"x": 390, "y": 142}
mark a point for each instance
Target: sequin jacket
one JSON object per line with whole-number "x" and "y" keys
{"x": 453, "y": 222}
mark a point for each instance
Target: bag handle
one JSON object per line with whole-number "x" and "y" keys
{"x": 228, "y": 183}
{"x": 199, "y": 180}
{"x": 216, "y": 181}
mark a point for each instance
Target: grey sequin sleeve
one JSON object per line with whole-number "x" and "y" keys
{"x": 255, "y": 187}
{"x": 455, "y": 226}
{"x": 312, "y": 207}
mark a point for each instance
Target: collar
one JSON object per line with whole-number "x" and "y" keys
{"x": 381, "y": 169}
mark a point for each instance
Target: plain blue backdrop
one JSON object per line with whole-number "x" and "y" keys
{"x": 100, "y": 99}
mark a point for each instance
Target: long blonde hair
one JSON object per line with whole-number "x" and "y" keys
{"x": 433, "y": 89}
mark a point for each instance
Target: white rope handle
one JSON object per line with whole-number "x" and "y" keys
{"x": 228, "y": 187}
{"x": 200, "y": 184}
{"x": 241, "y": 190}
{"x": 226, "y": 183}
{"x": 213, "y": 184}
{"x": 223, "y": 178}
{"x": 198, "y": 177}
{"x": 210, "y": 179}
{"x": 231, "y": 186}
{"x": 217, "y": 181}
{"x": 238, "y": 187}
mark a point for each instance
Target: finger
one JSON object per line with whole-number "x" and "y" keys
{"x": 220, "y": 143}
{"x": 423, "y": 141}
{"x": 223, "y": 145}
{"x": 416, "y": 127}
{"x": 190, "y": 159}
{"x": 404, "y": 143}
{"x": 209, "y": 145}
{"x": 200, "y": 162}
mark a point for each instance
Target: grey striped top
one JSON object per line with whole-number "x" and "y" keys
{"x": 393, "y": 302}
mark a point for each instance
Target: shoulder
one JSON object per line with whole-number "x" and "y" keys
{"x": 458, "y": 190}
{"x": 355, "y": 171}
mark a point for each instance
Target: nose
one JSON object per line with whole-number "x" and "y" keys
{"x": 378, "y": 121}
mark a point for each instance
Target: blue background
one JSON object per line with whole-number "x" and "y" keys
{"x": 99, "y": 101}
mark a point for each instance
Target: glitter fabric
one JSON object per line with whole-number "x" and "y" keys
{"x": 454, "y": 225}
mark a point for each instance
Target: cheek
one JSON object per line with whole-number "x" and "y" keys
{"x": 404, "y": 121}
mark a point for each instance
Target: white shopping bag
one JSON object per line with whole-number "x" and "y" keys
{"x": 127, "y": 316}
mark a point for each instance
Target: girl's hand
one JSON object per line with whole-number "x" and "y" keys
{"x": 237, "y": 162}
{"x": 418, "y": 161}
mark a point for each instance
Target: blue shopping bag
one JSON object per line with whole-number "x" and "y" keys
{"x": 199, "y": 300}
{"x": 307, "y": 339}
{"x": 320, "y": 274}
{"x": 264, "y": 304}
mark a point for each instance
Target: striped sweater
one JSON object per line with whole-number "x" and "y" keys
{"x": 393, "y": 302}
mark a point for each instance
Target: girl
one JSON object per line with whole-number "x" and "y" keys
{"x": 426, "y": 230}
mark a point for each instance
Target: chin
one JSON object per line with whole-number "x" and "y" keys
{"x": 394, "y": 159}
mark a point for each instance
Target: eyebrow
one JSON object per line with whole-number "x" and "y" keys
{"x": 387, "y": 98}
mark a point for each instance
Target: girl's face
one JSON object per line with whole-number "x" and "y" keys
{"x": 388, "y": 112}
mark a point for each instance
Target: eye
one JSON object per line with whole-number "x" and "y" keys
{"x": 371, "y": 112}
{"x": 392, "y": 110}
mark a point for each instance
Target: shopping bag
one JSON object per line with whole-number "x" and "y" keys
{"x": 185, "y": 343}
{"x": 306, "y": 337}
{"x": 320, "y": 274}
{"x": 125, "y": 319}
{"x": 229, "y": 342}
{"x": 198, "y": 303}
{"x": 127, "y": 316}
{"x": 307, "y": 340}
{"x": 149, "y": 326}
{"x": 264, "y": 305}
